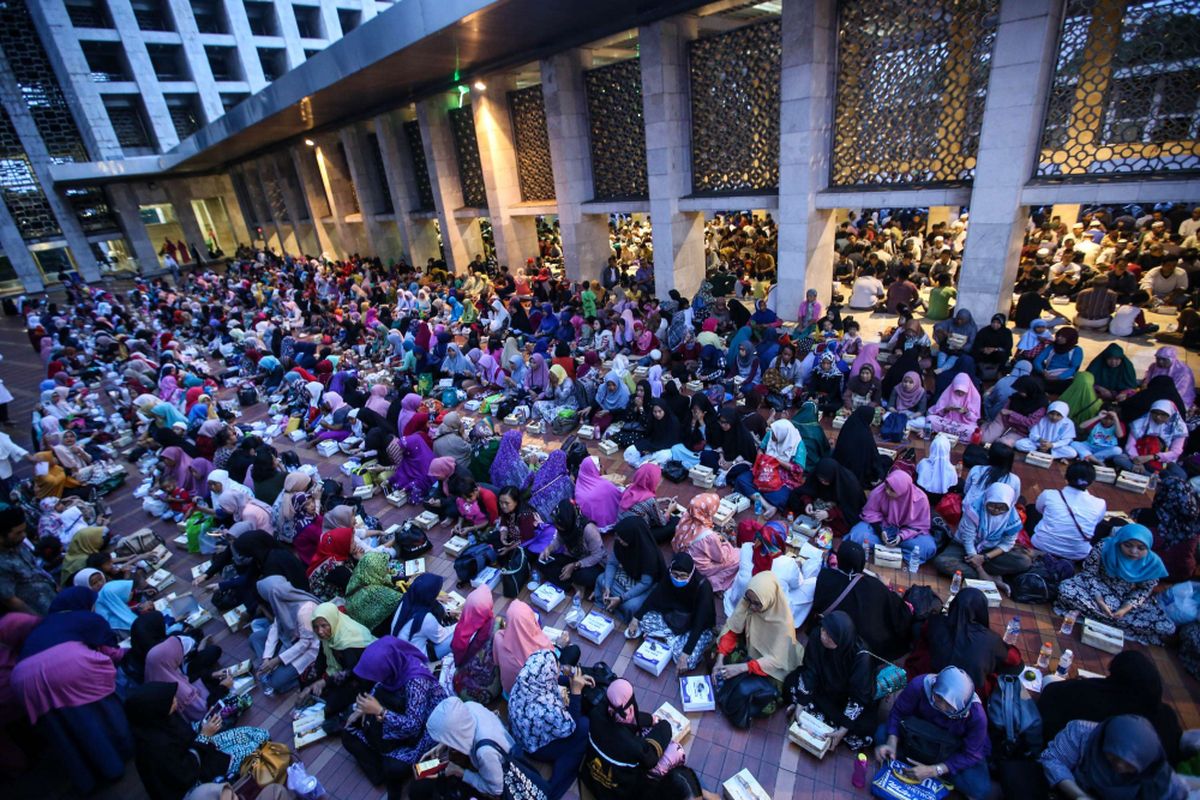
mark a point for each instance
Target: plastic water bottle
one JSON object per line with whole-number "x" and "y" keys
{"x": 1043, "y": 662}
{"x": 1068, "y": 623}
{"x": 1012, "y": 630}
{"x": 859, "y": 778}
{"x": 956, "y": 583}
{"x": 758, "y": 506}
{"x": 576, "y": 615}
{"x": 1064, "y": 663}
{"x": 914, "y": 561}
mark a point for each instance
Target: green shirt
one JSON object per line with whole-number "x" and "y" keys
{"x": 939, "y": 302}
{"x": 588, "y": 299}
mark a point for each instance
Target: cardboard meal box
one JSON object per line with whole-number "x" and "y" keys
{"x": 242, "y": 685}
{"x": 236, "y": 618}
{"x": 595, "y": 627}
{"x": 608, "y": 447}
{"x": 297, "y": 435}
{"x": 397, "y": 498}
{"x": 200, "y": 569}
{"x": 1105, "y": 475}
{"x": 511, "y": 419}
{"x": 744, "y": 786}
{"x": 694, "y": 386}
{"x": 723, "y": 517}
{"x": 239, "y": 669}
{"x": 653, "y": 656}
{"x": 553, "y": 634}
{"x": 307, "y": 727}
{"x": 489, "y": 576}
{"x": 1103, "y": 637}
{"x": 414, "y": 567}
{"x": 891, "y": 783}
{"x": 681, "y": 726}
{"x": 588, "y": 432}
{"x": 890, "y": 557}
{"x": 1039, "y": 459}
{"x": 696, "y": 693}
{"x": 988, "y": 588}
{"x": 181, "y": 540}
{"x": 452, "y": 601}
{"x": 327, "y": 448}
{"x": 455, "y": 545}
{"x": 547, "y": 597}
{"x": 1133, "y": 482}
{"x": 426, "y": 520}
{"x": 810, "y": 734}
{"x": 739, "y": 502}
{"x": 536, "y": 428}
{"x": 160, "y": 579}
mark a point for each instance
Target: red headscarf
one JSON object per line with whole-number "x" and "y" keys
{"x": 333, "y": 544}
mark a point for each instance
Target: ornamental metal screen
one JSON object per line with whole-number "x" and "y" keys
{"x": 735, "y": 110}
{"x": 911, "y": 81}
{"x": 412, "y": 132}
{"x": 617, "y": 131}
{"x": 535, "y": 172}
{"x": 20, "y": 188}
{"x": 1125, "y": 92}
{"x": 466, "y": 148}
{"x": 91, "y": 207}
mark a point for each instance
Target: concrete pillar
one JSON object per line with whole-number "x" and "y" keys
{"x": 1067, "y": 212}
{"x": 125, "y": 205}
{"x": 307, "y": 241}
{"x": 805, "y": 259}
{"x": 239, "y": 26}
{"x": 678, "y": 235}
{"x": 314, "y": 195}
{"x": 290, "y": 32}
{"x": 18, "y": 254}
{"x": 515, "y": 236}
{"x": 335, "y": 178}
{"x": 584, "y": 236}
{"x": 193, "y": 48}
{"x": 180, "y": 196}
{"x": 460, "y": 237}
{"x": 398, "y": 180}
{"x": 1009, "y": 145}
{"x": 272, "y": 233}
{"x": 382, "y": 236}
{"x": 149, "y": 87}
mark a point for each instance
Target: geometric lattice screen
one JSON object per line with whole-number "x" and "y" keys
{"x": 735, "y": 110}
{"x": 617, "y": 131}
{"x": 1125, "y": 92}
{"x": 20, "y": 188}
{"x": 534, "y": 170}
{"x": 412, "y": 132}
{"x": 911, "y": 82}
{"x": 466, "y": 147}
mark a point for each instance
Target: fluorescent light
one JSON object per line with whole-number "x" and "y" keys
{"x": 479, "y": 86}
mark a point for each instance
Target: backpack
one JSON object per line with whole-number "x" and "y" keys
{"x": 471, "y": 562}
{"x": 576, "y": 452}
{"x": 521, "y": 780}
{"x": 332, "y": 494}
{"x": 564, "y": 422}
{"x": 746, "y": 697}
{"x": 1015, "y": 720}
{"x": 924, "y": 602}
{"x": 247, "y": 395}
{"x": 583, "y": 395}
{"x": 1036, "y": 586}
{"x": 411, "y": 542}
{"x": 894, "y": 428}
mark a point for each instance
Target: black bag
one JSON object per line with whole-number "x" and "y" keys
{"x": 562, "y": 424}
{"x": 745, "y": 697}
{"x": 226, "y": 599}
{"x": 925, "y": 604}
{"x": 926, "y": 743}
{"x": 515, "y": 573}
{"x": 247, "y": 395}
{"x": 1015, "y": 720}
{"x": 472, "y": 561}
{"x": 290, "y": 460}
{"x": 675, "y": 471}
{"x": 521, "y": 780}
{"x": 411, "y": 542}
{"x": 594, "y": 696}
{"x": 974, "y": 455}
{"x": 576, "y": 452}
{"x": 894, "y": 427}
{"x": 332, "y": 494}
{"x": 1035, "y": 586}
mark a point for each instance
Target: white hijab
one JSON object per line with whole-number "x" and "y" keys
{"x": 785, "y": 441}
{"x": 799, "y": 583}
{"x": 935, "y": 473}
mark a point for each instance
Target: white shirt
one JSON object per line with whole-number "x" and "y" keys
{"x": 1159, "y": 285}
{"x": 1123, "y": 320}
{"x": 9, "y": 452}
{"x": 1189, "y": 227}
{"x": 1057, "y": 532}
{"x": 866, "y": 291}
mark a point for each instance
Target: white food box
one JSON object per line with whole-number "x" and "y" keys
{"x": 1106, "y": 475}
{"x": 456, "y": 545}
{"x": 239, "y": 669}
{"x": 839, "y": 421}
{"x": 681, "y": 726}
{"x": 446, "y": 383}
{"x": 160, "y": 579}
{"x": 199, "y": 618}
{"x": 723, "y": 515}
{"x": 472, "y": 405}
{"x": 297, "y": 435}
{"x": 653, "y": 656}
{"x": 547, "y": 597}
{"x": 595, "y": 627}
{"x": 888, "y": 452}
{"x": 307, "y": 727}
{"x": 414, "y": 567}
{"x": 810, "y": 734}
{"x": 988, "y": 588}
{"x": 200, "y": 569}
{"x": 1133, "y": 482}
{"x": 181, "y": 540}
{"x": 640, "y": 371}
{"x": 694, "y": 386}
{"x": 891, "y": 557}
{"x": 511, "y": 419}
{"x": 364, "y": 492}
{"x": 242, "y": 685}
{"x": 553, "y": 634}
{"x": 744, "y": 786}
{"x": 701, "y": 472}
{"x": 398, "y": 498}
{"x": 536, "y": 428}
{"x": 327, "y": 448}
{"x": 452, "y": 601}
{"x": 739, "y": 502}
{"x": 426, "y": 520}
{"x": 1039, "y": 459}
{"x": 587, "y": 432}
{"x": 489, "y": 576}
{"x": 608, "y": 447}
{"x": 348, "y": 467}
{"x": 703, "y": 483}
{"x": 696, "y": 694}
{"x": 1103, "y": 637}
{"x": 235, "y": 618}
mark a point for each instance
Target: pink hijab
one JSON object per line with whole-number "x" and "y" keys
{"x": 517, "y": 642}
{"x": 408, "y": 407}
{"x": 909, "y": 510}
{"x": 474, "y": 627}
{"x": 867, "y": 356}
{"x": 164, "y": 662}
{"x": 377, "y": 402}
{"x": 442, "y": 467}
{"x": 1179, "y": 373}
{"x": 644, "y": 486}
{"x": 184, "y": 479}
{"x": 598, "y": 498}
{"x": 960, "y": 392}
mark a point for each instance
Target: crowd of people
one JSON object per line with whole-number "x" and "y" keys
{"x": 387, "y": 362}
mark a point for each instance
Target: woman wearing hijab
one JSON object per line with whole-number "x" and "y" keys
{"x": 597, "y": 497}
{"x": 1167, "y": 364}
{"x": 576, "y": 554}
{"x": 508, "y": 467}
{"x": 831, "y": 495}
{"x": 516, "y": 641}
{"x": 680, "y": 612}
{"x": 448, "y": 441}
{"x": 1175, "y": 516}
{"x": 957, "y": 334}
{"x": 178, "y": 660}
{"x": 998, "y": 397}
{"x": 862, "y": 388}
{"x": 241, "y": 507}
{"x": 410, "y": 404}
{"x": 957, "y": 409}
{"x": 1081, "y": 398}
{"x": 343, "y": 642}
{"x": 1058, "y": 363}
{"x": 284, "y": 510}
{"x": 759, "y": 638}
{"x": 1052, "y": 434}
{"x": 634, "y": 567}
{"x": 411, "y": 457}
{"x": 475, "y": 734}
{"x": 715, "y": 558}
{"x": 945, "y": 700}
{"x": 191, "y": 474}
{"x": 935, "y": 474}
{"x": 1026, "y": 405}
{"x": 148, "y": 630}
{"x": 476, "y": 674}
{"x": 855, "y": 448}
{"x": 85, "y": 543}
{"x": 421, "y": 620}
{"x": 1155, "y": 440}
{"x": 784, "y": 446}
{"x": 1115, "y": 585}
{"x": 962, "y": 638}
{"x": 993, "y": 346}
{"x": 908, "y": 397}
{"x": 337, "y": 550}
{"x": 112, "y": 603}
{"x": 816, "y": 444}
{"x": 371, "y": 595}
{"x": 663, "y": 433}
{"x": 836, "y": 682}
{"x": 1115, "y": 377}
{"x": 897, "y": 514}
{"x": 65, "y": 681}
{"x": 287, "y": 647}
{"x": 640, "y": 499}
{"x": 388, "y": 731}
{"x": 171, "y": 756}
{"x": 612, "y": 397}
{"x": 827, "y": 382}
{"x": 984, "y": 545}
{"x": 1117, "y": 759}
{"x": 744, "y": 365}
{"x": 548, "y": 728}
{"x": 625, "y": 744}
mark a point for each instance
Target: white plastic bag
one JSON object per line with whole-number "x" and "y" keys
{"x": 1181, "y": 602}
{"x": 306, "y": 786}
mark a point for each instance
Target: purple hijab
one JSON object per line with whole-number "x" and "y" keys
{"x": 412, "y": 471}
{"x": 508, "y": 469}
{"x": 539, "y": 374}
{"x": 392, "y": 663}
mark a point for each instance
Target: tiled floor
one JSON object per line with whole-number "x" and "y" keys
{"x": 715, "y": 749}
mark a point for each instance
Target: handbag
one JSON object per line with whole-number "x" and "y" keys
{"x": 674, "y": 471}
{"x": 521, "y": 780}
{"x": 1015, "y": 717}
{"x": 949, "y": 508}
{"x": 926, "y": 743}
{"x": 745, "y": 697}
{"x": 514, "y": 574}
{"x": 268, "y": 764}
{"x": 838, "y": 600}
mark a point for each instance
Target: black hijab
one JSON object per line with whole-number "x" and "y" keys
{"x": 663, "y": 434}
{"x": 636, "y": 552}
{"x": 570, "y": 522}
{"x": 148, "y": 630}
{"x": 963, "y": 639}
{"x": 988, "y": 336}
{"x": 833, "y": 483}
{"x": 909, "y": 361}
{"x": 882, "y": 618}
{"x": 856, "y": 449}
{"x": 1028, "y": 395}
{"x": 737, "y": 441}
{"x": 678, "y": 404}
{"x": 831, "y": 670}
{"x": 169, "y": 760}
{"x": 271, "y": 557}
{"x": 1160, "y": 387}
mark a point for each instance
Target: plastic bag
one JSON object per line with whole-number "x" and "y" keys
{"x": 306, "y": 786}
{"x": 1181, "y": 602}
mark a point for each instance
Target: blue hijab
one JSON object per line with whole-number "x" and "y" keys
{"x": 612, "y": 399}
{"x": 742, "y": 335}
{"x": 418, "y": 601}
{"x": 1147, "y": 568}
{"x": 113, "y": 604}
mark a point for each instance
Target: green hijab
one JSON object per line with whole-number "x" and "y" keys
{"x": 816, "y": 445}
{"x": 371, "y": 596}
{"x": 1081, "y": 398}
{"x": 1115, "y": 379}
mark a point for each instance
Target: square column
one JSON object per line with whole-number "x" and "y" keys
{"x": 515, "y": 236}
{"x": 125, "y": 204}
{"x": 18, "y": 253}
{"x": 418, "y": 231}
{"x": 1009, "y": 145}
{"x": 805, "y": 129}
{"x": 307, "y": 233}
{"x": 314, "y": 195}
{"x": 678, "y": 235}
{"x": 585, "y": 241}
{"x": 335, "y": 176}
{"x": 460, "y": 236}
{"x": 382, "y": 236}
{"x": 181, "y": 198}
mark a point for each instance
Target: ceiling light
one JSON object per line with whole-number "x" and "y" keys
{"x": 310, "y": 143}
{"x": 479, "y": 86}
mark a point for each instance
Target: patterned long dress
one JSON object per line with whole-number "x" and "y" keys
{"x": 404, "y": 731}
{"x": 1146, "y": 622}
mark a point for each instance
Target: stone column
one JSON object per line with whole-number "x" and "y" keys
{"x": 307, "y": 238}
{"x": 460, "y": 237}
{"x": 18, "y": 254}
{"x": 314, "y": 195}
{"x": 197, "y": 59}
{"x": 678, "y": 235}
{"x": 805, "y": 129}
{"x": 1068, "y": 212}
{"x": 382, "y": 236}
{"x": 336, "y": 178}
{"x": 515, "y": 236}
{"x": 1009, "y": 144}
{"x": 584, "y": 236}
{"x": 180, "y": 195}
{"x": 125, "y": 204}
{"x": 272, "y": 232}
{"x": 149, "y": 87}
